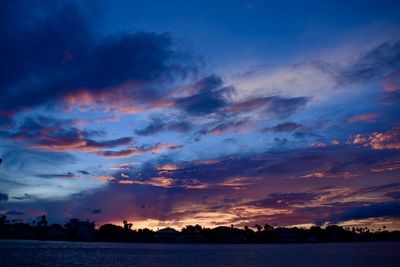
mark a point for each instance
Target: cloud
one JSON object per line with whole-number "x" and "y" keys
{"x": 15, "y": 213}
{"x": 381, "y": 188}
{"x": 96, "y": 211}
{"x": 153, "y": 181}
{"x": 57, "y": 175}
{"x": 279, "y": 200}
{"x": 374, "y": 64}
{"x": 336, "y": 162}
{"x": 180, "y": 192}
{"x": 284, "y": 107}
{"x": 277, "y": 106}
{"x": 287, "y": 127}
{"x": 367, "y": 118}
{"x": 3, "y": 197}
{"x": 385, "y": 140}
{"x": 51, "y": 52}
{"x": 369, "y": 66}
{"x": 209, "y": 97}
{"x": 375, "y": 210}
{"x": 158, "y": 126}
{"x": 391, "y": 82}
{"x": 53, "y": 135}
{"x": 26, "y": 197}
{"x": 134, "y": 151}
{"x": 330, "y": 174}
{"x": 390, "y": 98}
{"x": 228, "y": 126}
{"x": 394, "y": 194}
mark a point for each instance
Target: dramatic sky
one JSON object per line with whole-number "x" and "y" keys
{"x": 210, "y": 112}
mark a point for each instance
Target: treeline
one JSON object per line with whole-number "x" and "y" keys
{"x": 76, "y": 230}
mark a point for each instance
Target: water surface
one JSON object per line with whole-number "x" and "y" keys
{"x": 55, "y": 253}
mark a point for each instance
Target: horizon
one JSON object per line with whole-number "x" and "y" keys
{"x": 121, "y": 223}
{"x": 211, "y": 113}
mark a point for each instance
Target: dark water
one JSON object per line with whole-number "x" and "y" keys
{"x": 50, "y": 253}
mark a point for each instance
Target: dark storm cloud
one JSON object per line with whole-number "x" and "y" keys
{"x": 381, "y": 188}
{"x": 394, "y": 194}
{"x": 285, "y": 199}
{"x": 49, "y": 51}
{"x": 209, "y": 97}
{"x": 56, "y": 135}
{"x": 3, "y": 197}
{"x": 374, "y": 210}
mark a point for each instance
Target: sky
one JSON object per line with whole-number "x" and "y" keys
{"x": 170, "y": 113}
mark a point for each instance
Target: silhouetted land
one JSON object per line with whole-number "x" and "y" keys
{"x": 75, "y": 230}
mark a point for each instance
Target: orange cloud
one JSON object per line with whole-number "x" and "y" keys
{"x": 387, "y": 166}
{"x": 76, "y": 142}
{"x": 318, "y": 145}
{"x": 153, "y": 181}
{"x": 104, "y": 178}
{"x": 386, "y": 140}
{"x": 238, "y": 181}
{"x": 327, "y": 174}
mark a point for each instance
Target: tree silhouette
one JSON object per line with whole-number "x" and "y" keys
{"x": 3, "y": 220}
{"x": 76, "y": 230}
{"x": 42, "y": 227}
{"x": 127, "y": 226}
{"x": 268, "y": 227}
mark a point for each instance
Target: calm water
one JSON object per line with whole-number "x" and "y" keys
{"x": 53, "y": 253}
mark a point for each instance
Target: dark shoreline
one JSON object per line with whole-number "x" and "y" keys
{"x": 76, "y": 230}
{"x": 197, "y": 243}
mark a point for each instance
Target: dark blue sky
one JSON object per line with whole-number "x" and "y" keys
{"x": 210, "y": 112}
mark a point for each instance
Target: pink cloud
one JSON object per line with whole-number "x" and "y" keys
{"x": 248, "y": 104}
{"x": 367, "y": 118}
{"x": 385, "y": 140}
{"x": 391, "y": 82}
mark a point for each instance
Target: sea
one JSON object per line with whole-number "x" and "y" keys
{"x": 55, "y": 253}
